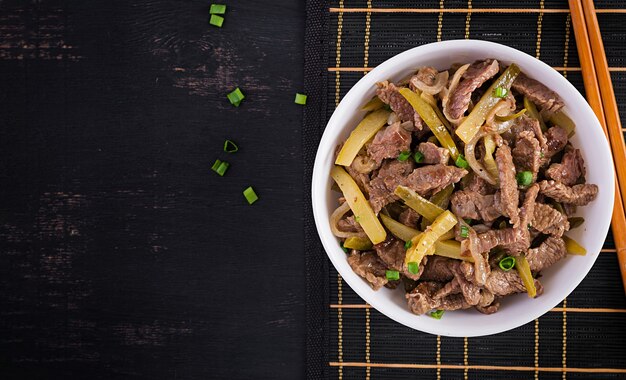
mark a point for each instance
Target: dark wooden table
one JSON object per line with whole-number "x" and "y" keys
{"x": 121, "y": 254}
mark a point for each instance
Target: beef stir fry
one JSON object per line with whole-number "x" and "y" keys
{"x": 458, "y": 187}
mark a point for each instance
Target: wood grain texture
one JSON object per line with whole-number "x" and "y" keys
{"x": 122, "y": 255}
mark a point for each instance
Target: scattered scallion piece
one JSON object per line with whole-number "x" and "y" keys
{"x": 300, "y": 99}
{"x": 461, "y": 162}
{"x": 408, "y": 244}
{"x": 230, "y": 146}
{"x": 392, "y": 275}
{"x": 507, "y": 263}
{"x": 468, "y": 221}
{"x": 216, "y": 165}
{"x": 464, "y": 231}
{"x": 403, "y": 156}
{"x": 524, "y": 178}
{"x": 216, "y": 20}
{"x": 235, "y": 97}
{"x": 220, "y": 167}
{"x": 500, "y": 92}
{"x": 250, "y": 195}
{"x": 217, "y": 9}
{"x": 437, "y": 314}
{"x": 418, "y": 157}
{"x": 413, "y": 267}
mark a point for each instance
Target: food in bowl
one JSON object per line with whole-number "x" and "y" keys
{"x": 458, "y": 186}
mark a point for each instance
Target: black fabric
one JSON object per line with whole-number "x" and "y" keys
{"x": 571, "y": 337}
{"x": 314, "y": 118}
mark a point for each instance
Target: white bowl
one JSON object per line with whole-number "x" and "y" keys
{"x": 559, "y": 280}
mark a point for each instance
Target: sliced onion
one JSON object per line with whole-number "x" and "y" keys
{"x": 437, "y": 87}
{"x": 456, "y": 78}
{"x": 492, "y": 124}
{"x": 476, "y": 166}
{"x": 336, "y": 216}
{"x": 363, "y": 164}
{"x": 481, "y": 266}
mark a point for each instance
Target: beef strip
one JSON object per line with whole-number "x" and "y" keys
{"x": 490, "y": 309}
{"x": 362, "y": 180}
{"x": 409, "y": 217}
{"x": 349, "y": 224}
{"x": 479, "y": 185}
{"x": 579, "y": 195}
{"x": 569, "y": 209}
{"x": 391, "y": 174}
{"x": 470, "y": 291}
{"x": 509, "y": 195}
{"x": 501, "y": 283}
{"x": 527, "y": 123}
{"x": 549, "y": 221}
{"x": 391, "y": 252}
{"x": 538, "y": 93}
{"x": 430, "y": 179}
{"x": 556, "y": 139}
{"x": 571, "y": 168}
{"x": 389, "y": 142}
{"x": 388, "y": 94}
{"x": 548, "y": 253}
{"x": 468, "y": 204}
{"x": 437, "y": 268}
{"x": 421, "y": 299}
{"x": 527, "y": 153}
{"x": 478, "y": 73}
{"x": 493, "y": 238}
{"x": 370, "y": 267}
{"x": 451, "y": 287}
{"x": 433, "y": 154}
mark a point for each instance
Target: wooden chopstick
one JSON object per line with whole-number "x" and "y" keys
{"x": 592, "y": 88}
{"x": 611, "y": 112}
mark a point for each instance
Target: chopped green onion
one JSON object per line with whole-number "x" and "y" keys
{"x": 217, "y": 9}
{"x": 461, "y": 162}
{"x": 357, "y": 218}
{"x": 250, "y": 195}
{"x": 524, "y": 178}
{"x": 403, "y": 156}
{"x": 216, "y": 165}
{"x": 392, "y": 275}
{"x": 344, "y": 248}
{"x": 220, "y": 167}
{"x": 216, "y": 20}
{"x": 468, "y": 221}
{"x": 437, "y": 314}
{"x": 408, "y": 244}
{"x": 418, "y": 157}
{"x": 541, "y": 155}
{"x": 464, "y": 231}
{"x": 500, "y": 92}
{"x": 507, "y": 263}
{"x": 300, "y": 99}
{"x": 236, "y": 97}
{"x": 413, "y": 267}
{"x": 230, "y": 147}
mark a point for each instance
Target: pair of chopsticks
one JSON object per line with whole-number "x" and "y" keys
{"x": 599, "y": 89}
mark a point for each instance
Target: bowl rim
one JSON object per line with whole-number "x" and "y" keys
{"x": 318, "y": 197}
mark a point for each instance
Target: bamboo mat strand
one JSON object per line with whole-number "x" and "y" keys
{"x": 582, "y": 338}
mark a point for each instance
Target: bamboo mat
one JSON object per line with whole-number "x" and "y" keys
{"x": 585, "y": 336}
